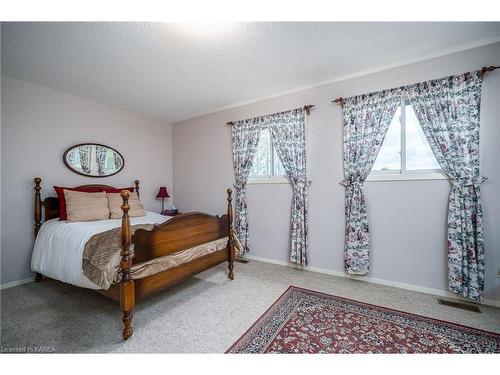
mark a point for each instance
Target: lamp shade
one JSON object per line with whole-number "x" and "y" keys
{"x": 163, "y": 193}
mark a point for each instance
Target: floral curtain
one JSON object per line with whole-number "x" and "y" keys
{"x": 245, "y": 137}
{"x": 288, "y": 135}
{"x": 84, "y": 155}
{"x": 101, "y": 159}
{"x": 448, "y": 111}
{"x": 366, "y": 121}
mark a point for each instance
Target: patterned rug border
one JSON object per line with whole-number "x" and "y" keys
{"x": 260, "y": 318}
{"x": 408, "y": 314}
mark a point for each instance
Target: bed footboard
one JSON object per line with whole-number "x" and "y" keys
{"x": 179, "y": 233}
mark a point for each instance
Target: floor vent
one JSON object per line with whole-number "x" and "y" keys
{"x": 460, "y": 305}
{"x": 241, "y": 260}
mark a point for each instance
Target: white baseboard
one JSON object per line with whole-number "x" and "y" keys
{"x": 17, "y": 282}
{"x": 396, "y": 284}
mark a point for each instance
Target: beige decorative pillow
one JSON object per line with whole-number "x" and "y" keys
{"x": 82, "y": 206}
{"x": 115, "y": 202}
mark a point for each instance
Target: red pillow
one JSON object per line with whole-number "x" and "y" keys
{"x": 115, "y": 190}
{"x": 62, "y": 201}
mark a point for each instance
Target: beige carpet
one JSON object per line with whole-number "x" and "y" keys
{"x": 206, "y": 313}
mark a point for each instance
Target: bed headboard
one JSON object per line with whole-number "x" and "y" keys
{"x": 51, "y": 204}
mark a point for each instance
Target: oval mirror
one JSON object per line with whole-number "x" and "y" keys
{"x": 93, "y": 160}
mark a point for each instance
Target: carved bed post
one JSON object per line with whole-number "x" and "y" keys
{"x": 38, "y": 205}
{"x": 230, "y": 247}
{"x": 127, "y": 292}
{"x": 137, "y": 187}
{"x": 38, "y": 215}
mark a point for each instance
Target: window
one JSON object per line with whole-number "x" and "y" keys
{"x": 267, "y": 165}
{"x": 405, "y": 153}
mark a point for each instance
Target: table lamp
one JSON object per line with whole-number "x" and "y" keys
{"x": 163, "y": 193}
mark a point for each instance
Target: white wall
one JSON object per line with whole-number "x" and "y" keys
{"x": 408, "y": 218}
{"x": 38, "y": 125}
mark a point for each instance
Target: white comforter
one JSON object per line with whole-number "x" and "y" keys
{"x": 59, "y": 246}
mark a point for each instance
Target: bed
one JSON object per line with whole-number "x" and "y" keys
{"x": 129, "y": 259}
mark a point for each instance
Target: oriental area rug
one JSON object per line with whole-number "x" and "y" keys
{"x": 305, "y": 321}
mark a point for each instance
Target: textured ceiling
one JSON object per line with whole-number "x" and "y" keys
{"x": 174, "y": 72}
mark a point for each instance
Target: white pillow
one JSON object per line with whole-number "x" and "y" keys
{"x": 81, "y": 206}
{"x": 115, "y": 202}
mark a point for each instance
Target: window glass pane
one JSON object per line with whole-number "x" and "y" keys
{"x": 279, "y": 170}
{"x": 262, "y": 163}
{"x": 389, "y": 156}
{"x": 418, "y": 152}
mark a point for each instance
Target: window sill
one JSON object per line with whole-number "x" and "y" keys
{"x": 274, "y": 180}
{"x": 406, "y": 177}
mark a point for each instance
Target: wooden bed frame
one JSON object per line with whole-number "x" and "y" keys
{"x": 179, "y": 233}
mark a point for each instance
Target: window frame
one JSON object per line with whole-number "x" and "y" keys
{"x": 269, "y": 179}
{"x": 403, "y": 174}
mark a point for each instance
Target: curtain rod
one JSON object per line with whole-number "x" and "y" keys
{"x": 483, "y": 71}
{"x": 306, "y": 108}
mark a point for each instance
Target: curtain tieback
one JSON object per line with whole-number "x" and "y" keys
{"x": 300, "y": 182}
{"x": 468, "y": 181}
{"x": 350, "y": 183}
{"x": 239, "y": 186}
